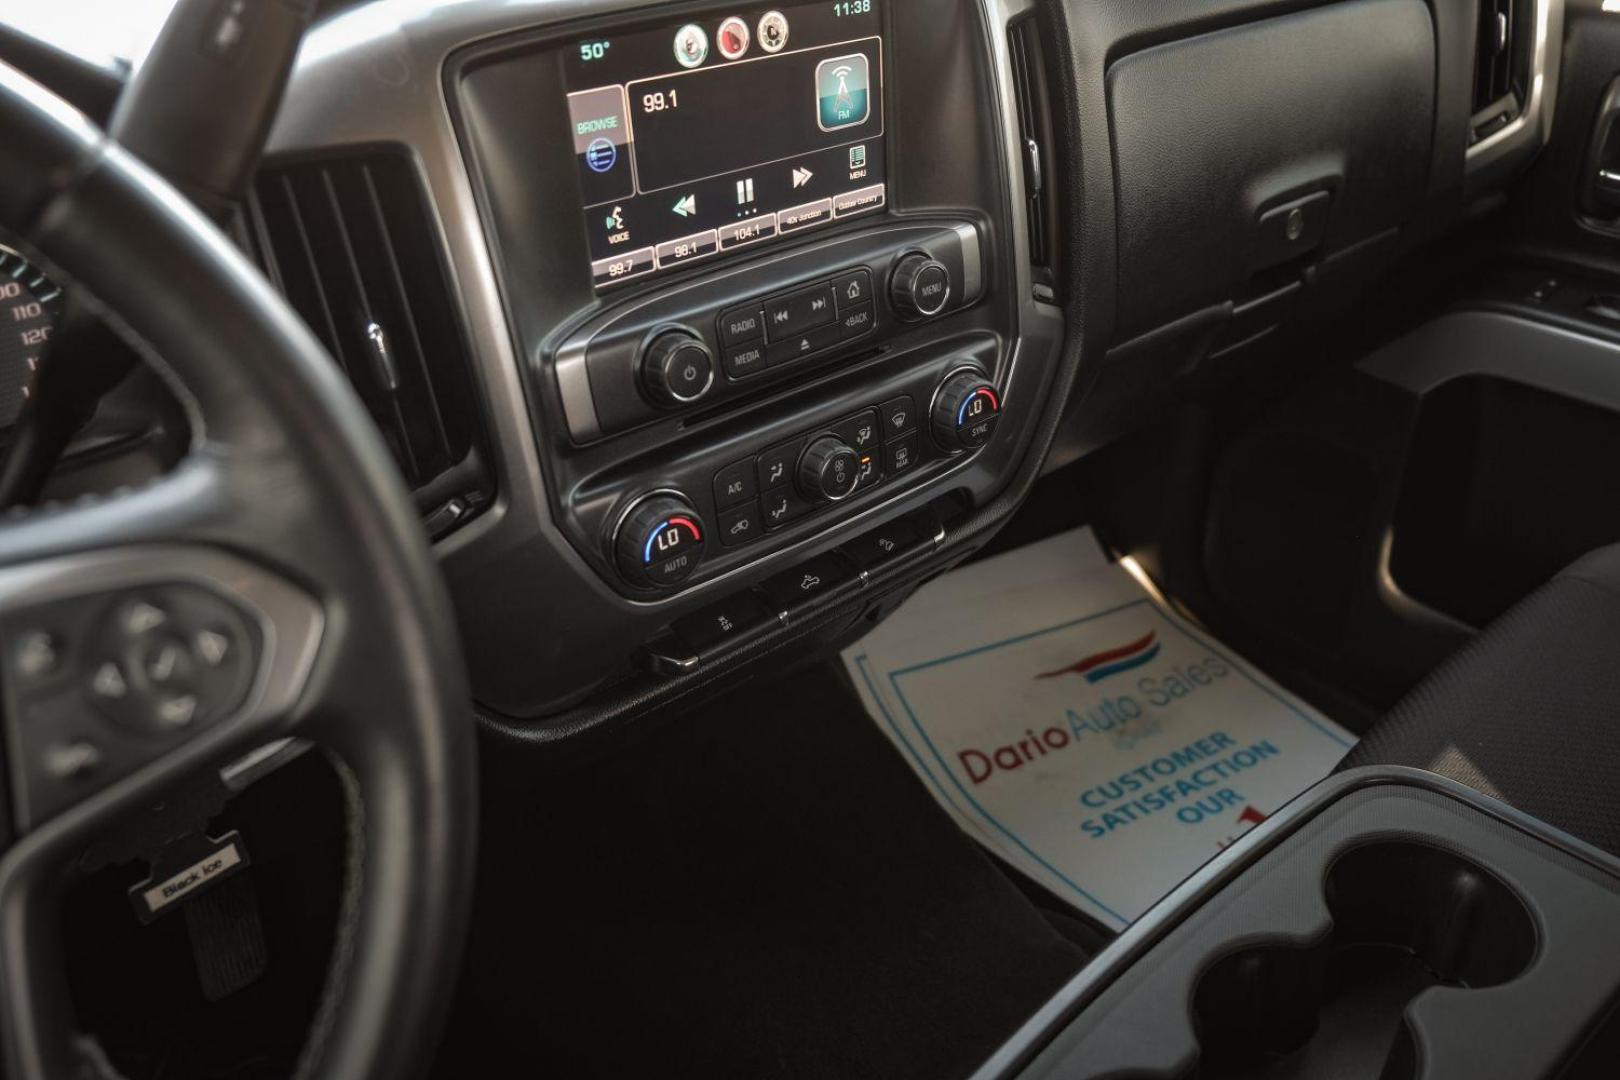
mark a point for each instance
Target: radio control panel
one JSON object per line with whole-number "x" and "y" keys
{"x": 727, "y": 336}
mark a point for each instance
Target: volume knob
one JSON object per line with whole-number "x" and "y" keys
{"x": 676, "y": 369}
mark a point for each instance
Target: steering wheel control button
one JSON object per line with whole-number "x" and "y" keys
{"x": 829, "y": 470}
{"x": 966, "y": 410}
{"x": 735, "y": 484}
{"x": 139, "y": 669}
{"x": 920, "y": 287}
{"x": 72, "y": 761}
{"x": 660, "y": 542}
{"x": 717, "y": 626}
{"x": 212, "y": 647}
{"x": 676, "y": 369}
{"x": 776, "y": 464}
{"x": 810, "y": 581}
{"x": 741, "y": 524}
{"x": 109, "y": 683}
{"x": 142, "y": 618}
{"x": 38, "y": 656}
{"x": 899, "y": 417}
{"x": 176, "y": 713}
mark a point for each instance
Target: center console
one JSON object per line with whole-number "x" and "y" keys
{"x": 1387, "y": 924}
{"x": 753, "y": 304}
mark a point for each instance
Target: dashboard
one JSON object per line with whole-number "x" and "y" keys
{"x": 703, "y": 330}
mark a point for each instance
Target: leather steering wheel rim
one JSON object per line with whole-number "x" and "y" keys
{"x": 289, "y": 503}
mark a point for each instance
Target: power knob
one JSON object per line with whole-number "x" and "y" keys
{"x": 676, "y": 369}
{"x": 920, "y": 287}
{"x": 659, "y": 542}
{"x": 967, "y": 407}
{"x": 829, "y": 470}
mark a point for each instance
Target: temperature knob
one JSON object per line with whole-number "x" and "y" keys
{"x": 966, "y": 410}
{"x": 660, "y": 542}
{"x": 677, "y": 369}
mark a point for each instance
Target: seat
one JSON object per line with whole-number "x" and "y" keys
{"x": 1529, "y": 711}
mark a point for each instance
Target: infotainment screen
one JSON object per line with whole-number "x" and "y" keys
{"x": 722, "y": 132}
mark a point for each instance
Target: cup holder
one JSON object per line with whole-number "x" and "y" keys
{"x": 1406, "y": 916}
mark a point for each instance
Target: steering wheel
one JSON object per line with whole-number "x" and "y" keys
{"x": 287, "y": 536}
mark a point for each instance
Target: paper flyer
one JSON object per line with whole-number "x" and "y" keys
{"x": 1080, "y": 729}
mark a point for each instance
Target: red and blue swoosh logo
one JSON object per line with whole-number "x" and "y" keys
{"x": 1099, "y": 666}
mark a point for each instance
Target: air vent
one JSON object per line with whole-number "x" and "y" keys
{"x": 1501, "y": 63}
{"x": 348, "y": 242}
{"x": 1033, "y": 92}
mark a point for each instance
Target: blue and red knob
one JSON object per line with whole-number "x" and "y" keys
{"x": 659, "y": 542}
{"x": 966, "y": 410}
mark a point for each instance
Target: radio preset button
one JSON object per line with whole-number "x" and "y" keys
{"x": 687, "y": 249}
{"x": 738, "y": 233}
{"x": 804, "y": 217}
{"x": 858, "y": 202}
{"x": 623, "y": 266}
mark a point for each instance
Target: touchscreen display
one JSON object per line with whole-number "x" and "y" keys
{"x": 725, "y": 131}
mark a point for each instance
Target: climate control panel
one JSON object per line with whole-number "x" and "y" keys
{"x": 662, "y": 537}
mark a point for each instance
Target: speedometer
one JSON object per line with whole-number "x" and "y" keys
{"x": 29, "y": 305}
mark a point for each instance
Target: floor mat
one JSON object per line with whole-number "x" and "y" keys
{"x": 759, "y": 889}
{"x": 1081, "y": 730}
